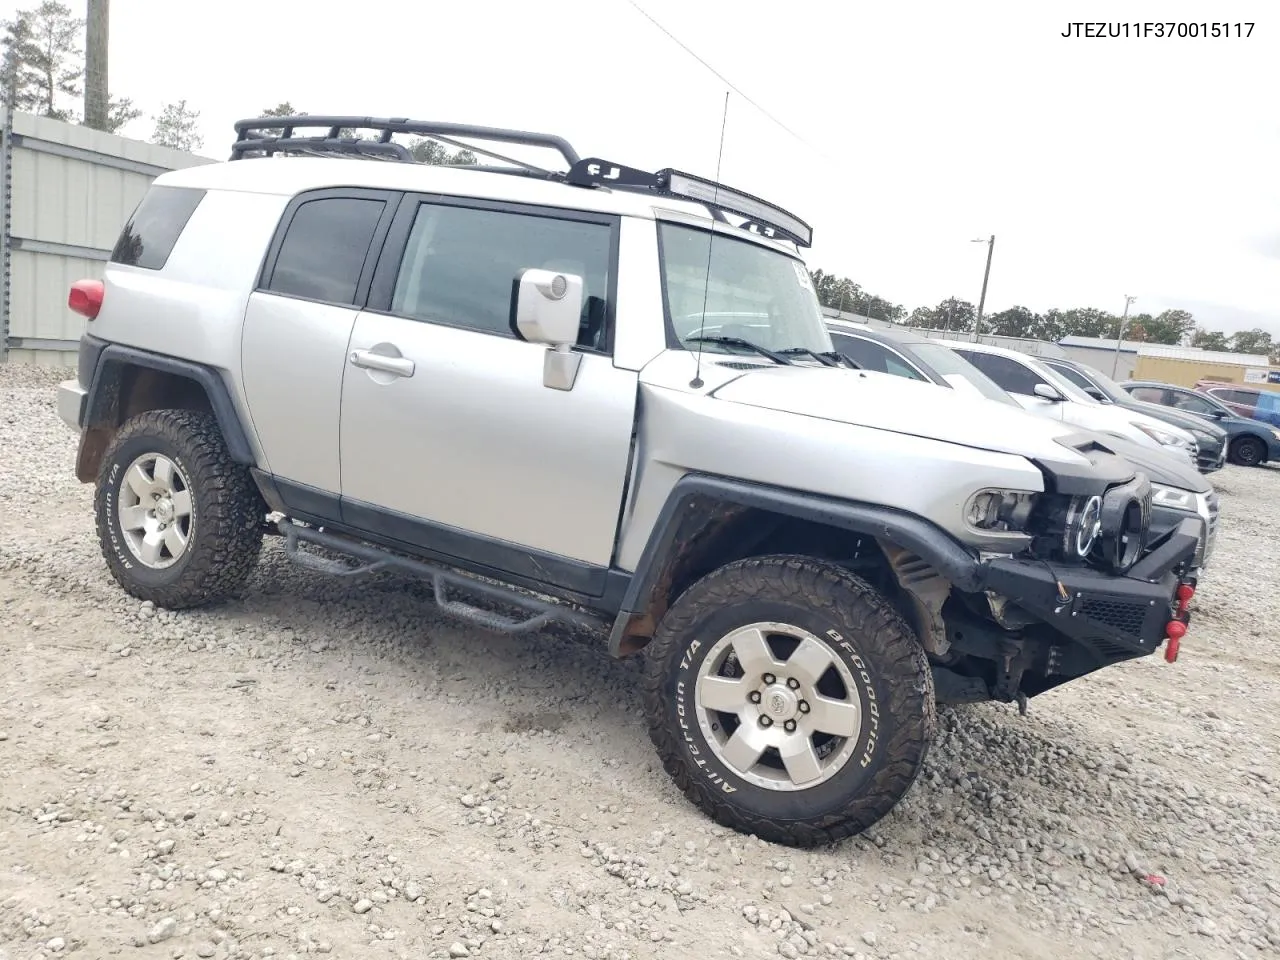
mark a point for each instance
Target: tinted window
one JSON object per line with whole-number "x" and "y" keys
{"x": 460, "y": 266}
{"x": 325, "y": 248}
{"x": 1192, "y": 402}
{"x": 872, "y": 356}
{"x": 153, "y": 230}
{"x": 1148, "y": 395}
{"x": 1234, "y": 396}
{"x": 1074, "y": 375}
{"x": 1008, "y": 373}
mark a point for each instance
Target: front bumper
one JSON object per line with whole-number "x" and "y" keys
{"x": 72, "y": 399}
{"x": 1210, "y": 456}
{"x": 1165, "y": 519}
{"x": 1116, "y": 616}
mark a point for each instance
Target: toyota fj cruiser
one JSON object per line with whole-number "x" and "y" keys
{"x": 535, "y": 388}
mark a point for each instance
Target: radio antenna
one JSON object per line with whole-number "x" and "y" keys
{"x": 696, "y": 382}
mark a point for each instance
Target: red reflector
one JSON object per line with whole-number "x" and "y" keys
{"x": 85, "y": 297}
{"x": 1175, "y": 630}
{"x": 1185, "y": 592}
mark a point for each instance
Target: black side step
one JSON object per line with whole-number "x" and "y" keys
{"x": 373, "y": 559}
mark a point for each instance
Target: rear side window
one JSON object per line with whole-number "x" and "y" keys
{"x": 873, "y": 356}
{"x": 1010, "y": 374}
{"x": 324, "y": 249}
{"x": 1153, "y": 395}
{"x": 153, "y": 230}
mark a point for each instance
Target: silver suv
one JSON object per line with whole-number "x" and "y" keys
{"x": 580, "y": 391}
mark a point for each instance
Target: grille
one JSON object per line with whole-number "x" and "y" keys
{"x": 1118, "y": 614}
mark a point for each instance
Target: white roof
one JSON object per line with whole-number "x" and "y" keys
{"x": 285, "y": 176}
{"x": 1169, "y": 350}
{"x": 1100, "y": 343}
{"x": 1174, "y": 352}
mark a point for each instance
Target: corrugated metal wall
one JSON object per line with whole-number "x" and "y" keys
{"x": 71, "y": 190}
{"x": 1185, "y": 372}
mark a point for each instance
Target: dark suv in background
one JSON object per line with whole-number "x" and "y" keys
{"x": 1249, "y": 442}
{"x": 1211, "y": 439}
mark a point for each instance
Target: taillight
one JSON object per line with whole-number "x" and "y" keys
{"x": 85, "y": 297}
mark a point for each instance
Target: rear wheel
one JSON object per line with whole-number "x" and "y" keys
{"x": 179, "y": 522}
{"x": 1248, "y": 451}
{"x": 787, "y": 699}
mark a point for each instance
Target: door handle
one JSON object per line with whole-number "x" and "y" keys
{"x": 396, "y": 366}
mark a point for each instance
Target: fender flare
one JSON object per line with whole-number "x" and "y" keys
{"x": 104, "y": 384}
{"x": 925, "y": 539}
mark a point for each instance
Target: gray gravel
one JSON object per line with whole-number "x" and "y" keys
{"x": 328, "y": 768}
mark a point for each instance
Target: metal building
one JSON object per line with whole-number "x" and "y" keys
{"x": 65, "y": 192}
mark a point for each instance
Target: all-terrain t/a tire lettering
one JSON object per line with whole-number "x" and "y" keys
{"x": 179, "y": 522}
{"x": 789, "y": 700}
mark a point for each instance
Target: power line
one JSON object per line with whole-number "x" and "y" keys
{"x": 722, "y": 77}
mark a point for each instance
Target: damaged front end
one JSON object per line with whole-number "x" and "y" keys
{"x": 1093, "y": 588}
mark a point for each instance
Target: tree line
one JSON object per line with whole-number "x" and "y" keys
{"x": 1169, "y": 327}
{"x": 42, "y": 71}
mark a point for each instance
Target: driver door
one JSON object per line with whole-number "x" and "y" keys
{"x": 450, "y": 440}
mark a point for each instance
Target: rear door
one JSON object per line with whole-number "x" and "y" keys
{"x": 450, "y": 439}
{"x": 295, "y": 335}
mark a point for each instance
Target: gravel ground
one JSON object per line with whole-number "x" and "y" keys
{"x": 326, "y": 768}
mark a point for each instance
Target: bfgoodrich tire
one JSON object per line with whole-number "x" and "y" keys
{"x": 179, "y": 522}
{"x": 788, "y": 700}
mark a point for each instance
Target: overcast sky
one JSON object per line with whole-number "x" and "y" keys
{"x": 1104, "y": 167}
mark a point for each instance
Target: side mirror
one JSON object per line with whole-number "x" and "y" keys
{"x": 1047, "y": 391}
{"x": 1218, "y": 414}
{"x": 546, "y": 308}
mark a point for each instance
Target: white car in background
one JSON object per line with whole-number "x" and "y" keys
{"x": 1043, "y": 391}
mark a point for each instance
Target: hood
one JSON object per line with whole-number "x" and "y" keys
{"x": 1164, "y": 468}
{"x": 886, "y": 402}
{"x": 1187, "y": 421}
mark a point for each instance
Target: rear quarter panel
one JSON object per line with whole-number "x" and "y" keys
{"x": 194, "y": 307}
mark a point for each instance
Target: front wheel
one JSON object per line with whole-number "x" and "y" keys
{"x": 788, "y": 700}
{"x": 1248, "y": 452}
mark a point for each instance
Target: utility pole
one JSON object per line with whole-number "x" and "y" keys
{"x": 95, "y": 64}
{"x": 982, "y": 300}
{"x": 1115, "y": 363}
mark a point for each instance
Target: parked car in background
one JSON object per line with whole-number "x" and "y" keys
{"x": 1044, "y": 391}
{"x": 1178, "y": 489}
{"x": 1211, "y": 441}
{"x": 1249, "y": 402}
{"x": 1250, "y": 442}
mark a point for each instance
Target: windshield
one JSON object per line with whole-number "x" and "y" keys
{"x": 1106, "y": 384}
{"x": 949, "y": 364}
{"x": 1069, "y": 389}
{"x": 750, "y": 292}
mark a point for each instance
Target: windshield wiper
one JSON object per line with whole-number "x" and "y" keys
{"x": 829, "y": 358}
{"x": 739, "y": 342}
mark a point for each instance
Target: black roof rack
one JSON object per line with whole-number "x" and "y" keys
{"x": 259, "y": 137}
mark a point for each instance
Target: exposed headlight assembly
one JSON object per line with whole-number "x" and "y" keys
{"x": 1126, "y": 520}
{"x": 1084, "y": 524}
{"x": 1000, "y": 511}
{"x": 1108, "y": 531}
